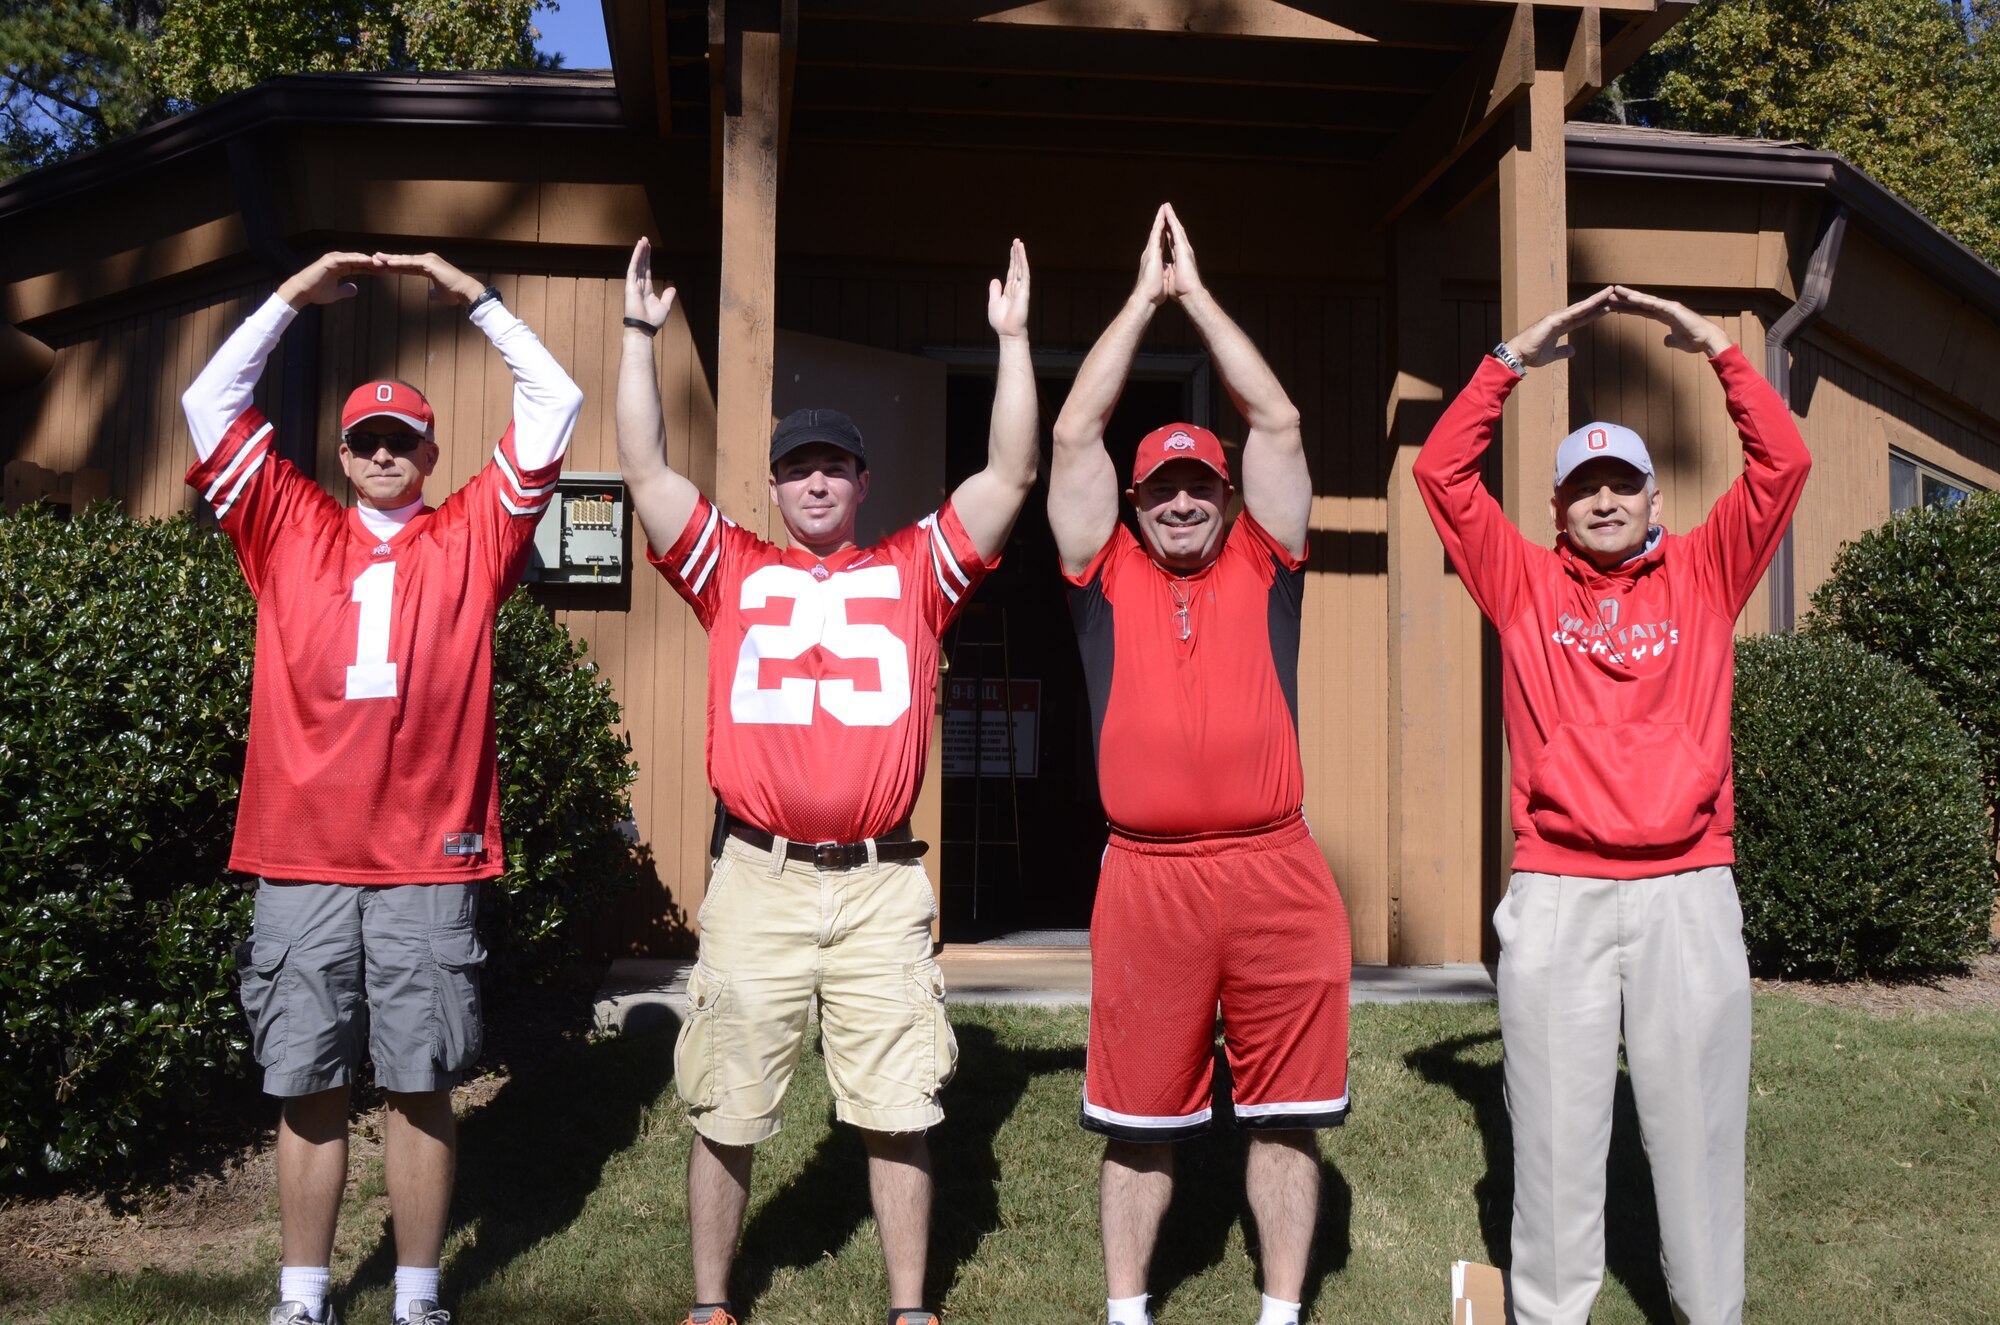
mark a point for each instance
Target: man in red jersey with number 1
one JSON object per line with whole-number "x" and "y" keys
{"x": 370, "y": 806}
{"x": 822, "y": 663}
{"x": 1212, "y": 889}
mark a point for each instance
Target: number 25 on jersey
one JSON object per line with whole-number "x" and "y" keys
{"x": 819, "y": 617}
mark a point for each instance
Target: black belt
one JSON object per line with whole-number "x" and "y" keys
{"x": 896, "y": 844}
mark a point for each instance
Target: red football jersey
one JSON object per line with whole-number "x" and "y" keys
{"x": 1194, "y": 684}
{"x": 371, "y": 753}
{"x": 821, "y": 674}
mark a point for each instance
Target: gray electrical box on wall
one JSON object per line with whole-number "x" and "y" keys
{"x": 582, "y": 537}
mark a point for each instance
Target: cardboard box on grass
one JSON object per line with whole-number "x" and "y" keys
{"x": 1478, "y": 1294}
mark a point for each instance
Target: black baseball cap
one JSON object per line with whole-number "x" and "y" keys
{"x": 803, "y": 427}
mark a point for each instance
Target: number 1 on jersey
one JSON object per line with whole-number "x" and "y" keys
{"x": 373, "y": 676}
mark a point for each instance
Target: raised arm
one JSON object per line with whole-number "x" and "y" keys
{"x": 546, "y": 400}
{"x": 1277, "y": 487}
{"x": 1083, "y": 483}
{"x": 219, "y": 395}
{"x": 663, "y": 499}
{"x": 1742, "y": 531}
{"x": 989, "y": 501}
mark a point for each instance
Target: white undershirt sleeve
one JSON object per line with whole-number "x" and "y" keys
{"x": 218, "y": 397}
{"x": 546, "y": 401}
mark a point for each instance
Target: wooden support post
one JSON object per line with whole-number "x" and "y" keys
{"x": 1419, "y": 871}
{"x": 748, "y": 323}
{"x": 1534, "y": 280}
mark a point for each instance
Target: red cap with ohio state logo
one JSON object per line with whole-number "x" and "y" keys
{"x": 388, "y": 399}
{"x": 1178, "y": 441}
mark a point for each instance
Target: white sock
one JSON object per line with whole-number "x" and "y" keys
{"x": 307, "y": 1285}
{"x": 1278, "y": 1313}
{"x": 1127, "y": 1310}
{"x": 414, "y": 1283}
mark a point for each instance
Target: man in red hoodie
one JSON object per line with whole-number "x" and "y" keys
{"x": 1616, "y": 647}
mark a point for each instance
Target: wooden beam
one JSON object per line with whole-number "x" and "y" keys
{"x": 635, "y": 30}
{"x": 1612, "y": 6}
{"x": 1638, "y": 33}
{"x": 1583, "y": 71}
{"x": 1319, "y": 20}
{"x": 751, "y": 123}
{"x": 1207, "y": 18}
{"x": 1116, "y": 137}
{"x": 982, "y": 49}
{"x": 1483, "y": 89}
{"x": 1534, "y": 280}
{"x": 1422, "y": 338}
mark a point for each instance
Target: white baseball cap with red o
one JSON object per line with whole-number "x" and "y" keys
{"x": 385, "y": 399}
{"x": 1593, "y": 440}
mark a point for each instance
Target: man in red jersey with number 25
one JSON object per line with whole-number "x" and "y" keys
{"x": 822, "y": 663}
{"x": 370, "y": 807}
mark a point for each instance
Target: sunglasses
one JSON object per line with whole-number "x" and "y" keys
{"x": 368, "y": 443}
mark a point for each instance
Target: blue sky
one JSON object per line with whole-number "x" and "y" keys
{"x": 577, "y": 31}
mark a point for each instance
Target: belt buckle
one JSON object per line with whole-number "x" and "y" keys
{"x": 833, "y": 855}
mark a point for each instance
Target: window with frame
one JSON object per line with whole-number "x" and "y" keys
{"x": 1914, "y": 483}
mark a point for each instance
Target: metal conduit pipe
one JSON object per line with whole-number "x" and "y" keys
{"x": 1778, "y": 369}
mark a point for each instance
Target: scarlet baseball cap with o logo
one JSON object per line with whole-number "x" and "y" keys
{"x": 1593, "y": 440}
{"x": 1178, "y": 441}
{"x": 387, "y": 399}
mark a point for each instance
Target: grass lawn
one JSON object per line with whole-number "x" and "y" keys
{"x": 1874, "y": 1190}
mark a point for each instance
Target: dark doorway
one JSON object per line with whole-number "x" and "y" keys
{"x": 1048, "y": 878}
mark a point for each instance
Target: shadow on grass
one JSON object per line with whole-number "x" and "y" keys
{"x": 814, "y": 1215}
{"x": 529, "y": 1160}
{"x": 1209, "y": 1200}
{"x": 1631, "y": 1224}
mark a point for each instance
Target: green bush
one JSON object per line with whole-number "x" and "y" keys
{"x": 124, "y": 706}
{"x": 1861, "y": 830}
{"x": 1924, "y": 589}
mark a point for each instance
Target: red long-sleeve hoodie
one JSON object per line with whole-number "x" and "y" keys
{"x": 1616, "y": 684}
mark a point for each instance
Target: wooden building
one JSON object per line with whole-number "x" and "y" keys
{"x": 1377, "y": 191}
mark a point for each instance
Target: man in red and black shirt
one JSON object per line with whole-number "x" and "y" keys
{"x": 371, "y": 803}
{"x": 1212, "y": 888}
{"x": 822, "y": 668}
{"x": 1617, "y": 653}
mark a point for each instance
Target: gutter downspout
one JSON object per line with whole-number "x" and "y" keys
{"x": 1778, "y": 370}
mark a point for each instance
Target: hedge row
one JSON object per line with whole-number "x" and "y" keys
{"x": 123, "y": 711}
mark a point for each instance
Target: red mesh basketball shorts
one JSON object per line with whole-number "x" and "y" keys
{"x": 1250, "y": 920}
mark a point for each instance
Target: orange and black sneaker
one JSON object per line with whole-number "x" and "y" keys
{"x": 914, "y": 1318}
{"x": 720, "y": 1316}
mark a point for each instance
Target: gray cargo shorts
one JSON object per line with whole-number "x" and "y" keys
{"x": 325, "y": 961}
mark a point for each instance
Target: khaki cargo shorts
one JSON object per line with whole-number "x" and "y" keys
{"x": 774, "y": 934}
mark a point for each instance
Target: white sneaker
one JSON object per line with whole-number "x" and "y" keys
{"x": 423, "y": 1311}
{"x": 295, "y": 1313}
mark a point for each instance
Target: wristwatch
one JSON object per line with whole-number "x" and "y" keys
{"x": 1505, "y": 354}
{"x": 491, "y": 292}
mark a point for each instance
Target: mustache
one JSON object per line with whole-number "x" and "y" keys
{"x": 1184, "y": 521}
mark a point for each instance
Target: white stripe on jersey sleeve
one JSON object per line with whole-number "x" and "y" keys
{"x": 263, "y": 454}
{"x": 532, "y": 508}
{"x": 256, "y": 442}
{"x": 938, "y": 563}
{"x": 708, "y": 568}
{"x": 708, "y": 529}
{"x": 513, "y": 477}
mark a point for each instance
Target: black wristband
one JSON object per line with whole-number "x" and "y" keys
{"x": 641, "y": 324}
{"x": 491, "y": 292}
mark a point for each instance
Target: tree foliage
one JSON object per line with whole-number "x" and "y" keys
{"x": 1907, "y": 90}
{"x": 83, "y": 72}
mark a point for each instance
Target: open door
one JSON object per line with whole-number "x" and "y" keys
{"x": 898, "y": 402}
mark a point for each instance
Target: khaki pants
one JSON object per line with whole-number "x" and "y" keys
{"x": 776, "y": 932}
{"x": 1665, "y": 956}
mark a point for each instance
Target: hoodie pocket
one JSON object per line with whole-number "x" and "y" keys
{"x": 1637, "y": 789}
